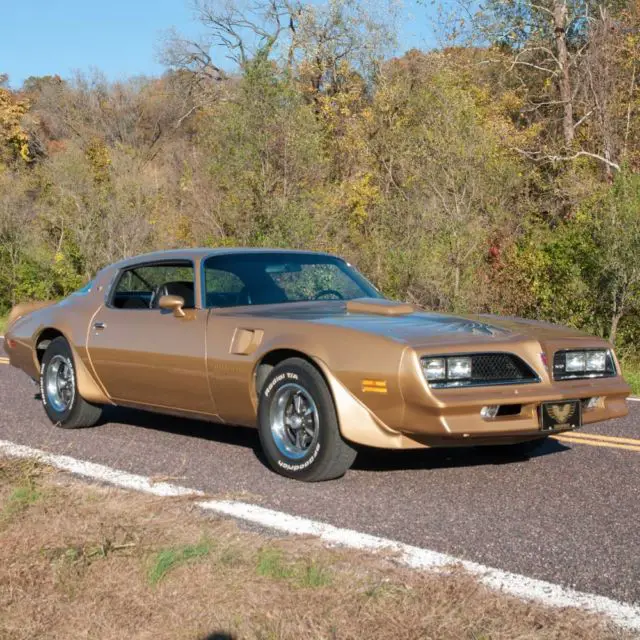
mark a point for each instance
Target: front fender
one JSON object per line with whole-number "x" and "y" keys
{"x": 357, "y": 422}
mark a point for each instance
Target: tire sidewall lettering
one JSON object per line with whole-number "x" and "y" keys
{"x": 286, "y": 375}
{"x": 43, "y": 395}
{"x": 302, "y": 465}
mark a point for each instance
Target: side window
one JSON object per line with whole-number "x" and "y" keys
{"x": 141, "y": 287}
{"x": 223, "y": 288}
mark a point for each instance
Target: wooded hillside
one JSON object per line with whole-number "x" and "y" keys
{"x": 498, "y": 174}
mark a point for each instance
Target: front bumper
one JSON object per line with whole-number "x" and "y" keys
{"x": 455, "y": 415}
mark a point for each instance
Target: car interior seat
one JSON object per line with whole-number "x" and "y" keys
{"x": 182, "y": 288}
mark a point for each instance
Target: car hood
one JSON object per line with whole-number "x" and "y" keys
{"x": 405, "y": 323}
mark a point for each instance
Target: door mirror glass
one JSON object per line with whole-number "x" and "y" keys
{"x": 172, "y": 303}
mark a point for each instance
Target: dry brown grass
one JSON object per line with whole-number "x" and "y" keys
{"x": 84, "y": 561}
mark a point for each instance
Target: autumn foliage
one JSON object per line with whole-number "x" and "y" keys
{"x": 499, "y": 174}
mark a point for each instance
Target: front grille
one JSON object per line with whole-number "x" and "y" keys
{"x": 499, "y": 366}
{"x": 492, "y": 369}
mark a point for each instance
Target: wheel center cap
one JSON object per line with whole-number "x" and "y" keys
{"x": 296, "y": 421}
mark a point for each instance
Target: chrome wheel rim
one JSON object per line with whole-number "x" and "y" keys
{"x": 59, "y": 383}
{"x": 294, "y": 420}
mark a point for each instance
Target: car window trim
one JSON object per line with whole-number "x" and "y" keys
{"x": 180, "y": 262}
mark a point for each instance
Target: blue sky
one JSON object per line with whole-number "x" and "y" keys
{"x": 119, "y": 37}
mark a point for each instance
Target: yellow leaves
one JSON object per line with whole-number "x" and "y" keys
{"x": 97, "y": 153}
{"x": 183, "y": 229}
{"x": 24, "y": 152}
{"x": 12, "y": 134}
{"x": 367, "y": 115}
{"x": 362, "y": 195}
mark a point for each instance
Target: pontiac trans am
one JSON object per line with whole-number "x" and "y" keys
{"x": 303, "y": 347}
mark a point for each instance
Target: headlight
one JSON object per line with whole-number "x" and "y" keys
{"x": 434, "y": 368}
{"x": 454, "y": 368}
{"x": 596, "y": 360}
{"x": 589, "y": 363}
{"x": 459, "y": 368}
{"x": 575, "y": 361}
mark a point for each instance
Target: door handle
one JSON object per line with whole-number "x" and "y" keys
{"x": 98, "y": 326}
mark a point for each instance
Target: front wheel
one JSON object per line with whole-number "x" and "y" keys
{"x": 298, "y": 425}
{"x": 59, "y": 389}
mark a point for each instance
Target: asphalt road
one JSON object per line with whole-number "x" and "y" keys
{"x": 570, "y": 514}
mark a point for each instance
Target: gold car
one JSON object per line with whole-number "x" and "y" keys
{"x": 303, "y": 347}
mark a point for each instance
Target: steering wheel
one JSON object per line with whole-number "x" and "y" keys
{"x": 328, "y": 292}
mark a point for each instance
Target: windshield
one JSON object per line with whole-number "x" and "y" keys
{"x": 275, "y": 277}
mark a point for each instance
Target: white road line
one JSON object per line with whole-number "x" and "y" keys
{"x": 625, "y": 615}
{"x": 633, "y": 399}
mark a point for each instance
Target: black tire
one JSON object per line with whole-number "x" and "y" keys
{"x": 327, "y": 455}
{"x": 77, "y": 412}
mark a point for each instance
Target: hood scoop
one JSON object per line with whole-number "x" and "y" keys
{"x": 379, "y": 306}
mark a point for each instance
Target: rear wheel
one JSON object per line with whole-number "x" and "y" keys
{"x": 59, "y": 389}
{"x": 298, "y": 425}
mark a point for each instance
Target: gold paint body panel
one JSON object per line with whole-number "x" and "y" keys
{"x": 204, "y": 363}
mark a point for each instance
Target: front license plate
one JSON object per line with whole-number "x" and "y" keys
{"x": 566, "y": 414}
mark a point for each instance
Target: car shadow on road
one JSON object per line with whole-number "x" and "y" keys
{"x": 203, "y": 429}
{"x": 443, "y": 458}
{"x": 368, "y": 459}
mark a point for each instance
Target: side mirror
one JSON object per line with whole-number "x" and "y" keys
{"x": 172, "y": 303}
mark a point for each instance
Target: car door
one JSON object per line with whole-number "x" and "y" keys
{"x": 148, "y": 356}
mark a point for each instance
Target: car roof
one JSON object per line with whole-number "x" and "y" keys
{"x": 203, "y": 252}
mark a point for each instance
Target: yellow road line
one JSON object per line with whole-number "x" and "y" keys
{"x": 4, "y": 360}
{"x": 598, "y": 436}
{"x": 596, "y": 443}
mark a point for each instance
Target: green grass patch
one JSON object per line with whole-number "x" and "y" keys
{"x": 314, "y": 575}
{"x": 168, "y": 559}
{"x": 3, "y": 323}
{"x": 631, "y": 373}
{"x": 21, "y": 497}
{"x": 20, "y": 478}
{"x": 272, "y": 564}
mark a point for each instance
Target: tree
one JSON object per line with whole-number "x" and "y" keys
{"x": 555, "y": 50}
{"x": 614, "y": 224}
